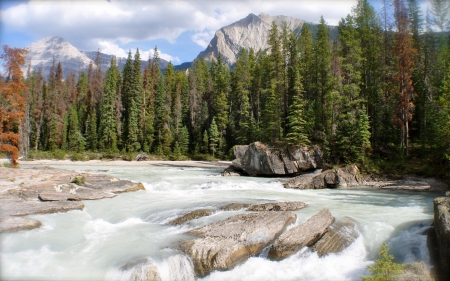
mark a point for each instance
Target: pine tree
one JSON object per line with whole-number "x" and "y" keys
{"x": 127, "y": 81}
{"x": 183, "y": 140}
{"x": 220, "y": 78}
{"x": 297, "y": 133}
{"x": 75, "y": 140}
{"x": 92, "y": 137}
{"x": 214, "y": 137}
{"x": 271, "y": 116}
{"x": 135, "y": 94}
{"x": 205, "y": 142}
{"x": 363, "y": 136}
{"x": 384, "y": 268}
{"x": 324, "y": 79}
{"x": 108, "y": 126}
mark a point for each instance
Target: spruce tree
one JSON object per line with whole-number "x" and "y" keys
{"x": 214, "y": 137}
{"x": 92, "y": 137}
{"x": 127, "y": 81}
{"x": 75, "y": 140}
{"x": 324, "y": 79}
{"x": 297, "y": 133}
{"x": 108, "y": 126}
{"x": 135, "y": 94}
{"x": 183, "y": 140}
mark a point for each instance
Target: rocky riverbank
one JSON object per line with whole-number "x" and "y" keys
{"x": 305, "y": 167}
{"x": 46, "y": 190}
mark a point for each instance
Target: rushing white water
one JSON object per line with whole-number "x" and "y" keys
{"x": 112, "y": 239}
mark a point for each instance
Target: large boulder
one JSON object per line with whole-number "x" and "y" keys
{"x": 442, "y": 228}
{"x": 305, "y": 234}
{"x": 259, "y": 159}
{"x": 340, "y": 235}
{"x": 341, "y": 177}
{"x": 225, "y": 244}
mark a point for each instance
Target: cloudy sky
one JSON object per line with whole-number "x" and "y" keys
{"x": 180, "y": 29}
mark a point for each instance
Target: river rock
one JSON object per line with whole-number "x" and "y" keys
{"x": 13, "y": 224}
{"x": 41, "y": 191}
{"x": 442, "y": 229}
{"x": 341, "y": 177}
{"x": 225, "y": 244}
{"x": 340, "y": 235}
{"x": 279, "y": 206}
{"x": 142, "y": 157}
{"x": 305, "y": 234}
{"x": 416, "y": 271}
{"x": 259, "y": 159}
{"x": 191, "y": 215}
{"x": 234, "y": 207}
{"x": 141, "y": 270}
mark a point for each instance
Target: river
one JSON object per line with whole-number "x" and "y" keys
{"x": 96, "y": 243}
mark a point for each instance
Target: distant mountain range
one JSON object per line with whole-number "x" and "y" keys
{"x": 56, "y": 49}
{"x": 249, "y": 32}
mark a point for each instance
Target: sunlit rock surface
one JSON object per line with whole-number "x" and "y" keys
{"x": 305, "y": 234}
{"x": 225, "y": 244}
{"x": 46, "y": 190}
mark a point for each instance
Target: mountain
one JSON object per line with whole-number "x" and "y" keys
{"x": 43, "y": 52}
{"x": 54, "y": 48}
{"x": 252, "y": 32}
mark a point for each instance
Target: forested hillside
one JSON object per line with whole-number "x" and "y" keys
{"x": 380, "y": 90}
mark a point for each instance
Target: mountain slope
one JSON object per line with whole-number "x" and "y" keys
{"x": 57, "y": 49}
{"x": 251, "y": 32}
{"x": 54, "y": 48}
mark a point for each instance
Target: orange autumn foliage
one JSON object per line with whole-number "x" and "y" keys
{"x": 12, "y": 102}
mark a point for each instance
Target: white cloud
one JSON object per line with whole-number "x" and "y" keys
{"x": 86, "y": 23}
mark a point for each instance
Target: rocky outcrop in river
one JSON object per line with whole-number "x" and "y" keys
{"x": 305, "y": 234}
{"x": 341, "y": 177}
{"x": 259, "y": 159}
{"x": 225, "y": 244}
{"x": 442, "y": 229}
{"x": 42, "y": 191}
{"x": 340, "y": 235}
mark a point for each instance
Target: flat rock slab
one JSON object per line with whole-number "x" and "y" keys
{"x": 305, "y": 234}
{"x": 225, "y": 244}
{"x": 340, "y": 235}
{"x": 279, "y": 206}
{"x": 47, "y": 190}
{"x": 234, "y": 207}
{"x": 414, "y": 185}
{"x": 191, "y": 215}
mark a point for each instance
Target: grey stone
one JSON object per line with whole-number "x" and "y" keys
{"x": 340, "y": 235}
{"x": 305, "y": 234}
{"x": 225, "y": 244}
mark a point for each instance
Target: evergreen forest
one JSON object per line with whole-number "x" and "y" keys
{"x": 378, "y": 95}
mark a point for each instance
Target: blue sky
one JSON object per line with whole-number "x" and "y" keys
{"x": 180, "y": 29}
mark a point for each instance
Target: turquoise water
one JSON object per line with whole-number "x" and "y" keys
{"x": 95, "y": 243}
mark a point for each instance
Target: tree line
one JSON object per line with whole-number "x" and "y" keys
{"x": 381, "y": 87}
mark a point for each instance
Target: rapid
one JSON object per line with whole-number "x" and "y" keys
{"x": 105, "y": 239}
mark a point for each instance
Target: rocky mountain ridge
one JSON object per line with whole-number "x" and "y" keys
{"x": 44, "y": 52}
{"x": 252, "y": 32}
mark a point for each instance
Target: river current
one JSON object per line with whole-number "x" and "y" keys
{"x": 96, "y": 243}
